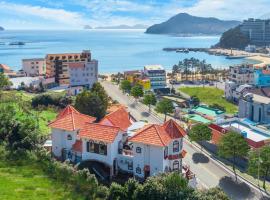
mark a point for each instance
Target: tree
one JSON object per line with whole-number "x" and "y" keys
{"x": 90, "y": 103}
{"x": 165, "y": 107}
{"x": 199, "y": 133}
{"x": 136, "y": 91}
{"x": 125, "y": 86}
{"x": 149, "y": 99}
{"x": 101, "y": 93}
{"x": 195, "y": 101}
{"x": 233, "y": 145}
{"x": 210, "y": 194}
{"x": 259, "y": 163}
{"x": 4, "y": 82}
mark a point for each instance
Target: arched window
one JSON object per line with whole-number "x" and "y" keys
{"x": 69, "y": 137}
{"x": 138, "y": 150}
{"x": 176, "y": 165}
{"x": 102, "y": 148}
{"x": 175, "y": 146}
{"x": 138, "y": 170}
{"x": 165, "y": 152}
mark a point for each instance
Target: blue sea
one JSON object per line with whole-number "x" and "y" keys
{"x": 116, "y": 50}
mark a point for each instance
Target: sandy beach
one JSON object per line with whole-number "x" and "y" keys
{"x": 265, "y": 60}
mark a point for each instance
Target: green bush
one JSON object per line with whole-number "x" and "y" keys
{"x": 51, "y": 100}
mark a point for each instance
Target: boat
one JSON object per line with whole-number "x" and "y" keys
{"x": 235, "y": 57}
{"x": 16, "y": 43}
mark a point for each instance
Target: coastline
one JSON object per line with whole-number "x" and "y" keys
{"x": 263, "y": 59}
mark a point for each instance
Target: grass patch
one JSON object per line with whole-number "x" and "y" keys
{"x": 25, "y": 180}
{"x": 209, "y": 95}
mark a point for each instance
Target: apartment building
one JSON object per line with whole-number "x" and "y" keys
{"x": 34, "y": 66}
{"x": 157, "y": 76}
{"x": 73, "y": 69}
{"x": 257, "y": 30}
{"x": 152, "y": 149}
{"x": 242, "y": 74}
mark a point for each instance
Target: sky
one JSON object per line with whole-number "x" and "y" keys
{"x": 74, "y": 14}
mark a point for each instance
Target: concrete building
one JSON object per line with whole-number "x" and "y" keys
{"x": 137, "y": 77}
{"x": 257, "y": 30}
{"x": 262, "y": 78}
{"x": 34, "y": 66}
{"x": 234, "y": 92}
{"x": 255, "y": 107}
{"x": 242, "y": 74}
{"x": 157, "y": 76}
{"x": 74, "y": 69}
{"x": 150, "y": 150}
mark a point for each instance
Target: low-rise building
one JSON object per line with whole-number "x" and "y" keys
{"x": 255, "y": 107}
{"x": 34, "y": 66}
{"x": 254, "y": 135}
{"x": 150, "y": 150}
{"x": 137, "y": 77}
{"x": 262, "y": 77}
{"x": 156, "y": 75}
{"x": 234, "y": 92}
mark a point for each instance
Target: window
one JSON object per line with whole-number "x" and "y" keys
{"x": 69, "y": 137}
{"x": 91, "y": 146}
{"x": 175, "y": 146}
{"x": 138, "y": 150}
{"x": 176, "y": 165}
{"x": 165, "y": 152}
{"x": 130, "y": 165}
{"x": 102, "y": 148}
{"x": 138, "y": 170}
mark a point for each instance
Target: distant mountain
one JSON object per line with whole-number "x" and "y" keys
{"x": 1, "y": 28}
{"x": 87, "y": 27}
{"x": 137, "y": 26}
{"x": 184, "y": 23}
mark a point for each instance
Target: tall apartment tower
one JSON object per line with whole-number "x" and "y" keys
{"x": 257, "y": 30}
{"x": 73, "y": 69}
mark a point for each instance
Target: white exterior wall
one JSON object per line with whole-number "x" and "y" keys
{"x": 34, "y": 67}
{"x": 60, "y": 141}
{"x": 86, "y": 76}
{"x": 112, "y": 151}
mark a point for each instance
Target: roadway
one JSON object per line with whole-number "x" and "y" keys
{"x": 209, "y": 172}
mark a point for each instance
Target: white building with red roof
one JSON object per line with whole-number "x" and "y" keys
{"x": 157, "y": 148}
{"x": 151, "y": 150}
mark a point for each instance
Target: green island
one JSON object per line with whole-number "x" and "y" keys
{"x": 209, "y": 96}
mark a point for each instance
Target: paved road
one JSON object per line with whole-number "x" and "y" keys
{"x": 208, "y": 171}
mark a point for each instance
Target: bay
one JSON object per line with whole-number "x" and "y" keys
{"x": 116, "y": 50}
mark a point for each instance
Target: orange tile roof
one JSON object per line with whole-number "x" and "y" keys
{"x": 77, "y": 146}
{"x": 99, "y": 132}
{"x": 70, "y": 119}
{"x": 119, "y": 118}
{"x": 158, "y": 135}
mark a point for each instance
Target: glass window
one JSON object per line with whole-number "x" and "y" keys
{"x": 130, "y": 165}
{"x": 165, "y": 152}
{"x": 175, "y": 146}
{"x": 176, "y": 165}
{"x": 69, "y": 137}
{"x": 91, "y": 146}
{"x": 138, "y": 150}
{"x": 102, "y": 148}
{"x": 138, "y": 170}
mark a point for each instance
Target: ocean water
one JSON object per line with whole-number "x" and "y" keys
{"x": 116, "y": 50}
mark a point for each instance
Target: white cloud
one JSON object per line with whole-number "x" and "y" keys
{"x": 56, "y": 15}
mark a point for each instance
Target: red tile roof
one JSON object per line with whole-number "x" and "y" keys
{"x": 119, "y": 118}
{"x": 157, "y": 135}
{"x": 77, "y": 146}
{"x": 70, "y": 119}
{"x": 99, "y": 132}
